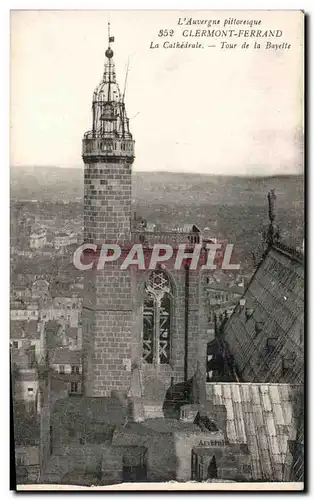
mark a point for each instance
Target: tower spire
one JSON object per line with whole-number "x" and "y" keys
{"x": 273, "y": 232}
{"x": 109, "y": 115}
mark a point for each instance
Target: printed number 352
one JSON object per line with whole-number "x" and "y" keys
{"x": 166, "y": 33}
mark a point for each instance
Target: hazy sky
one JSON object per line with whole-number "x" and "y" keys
{"x": 211, "y": 111}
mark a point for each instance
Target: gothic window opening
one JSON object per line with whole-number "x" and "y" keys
{"x": 74, "y": 388}
{"x": 157, "y": 318}
{"x": 164, "y": 329}
{"x": 148, "y": 328}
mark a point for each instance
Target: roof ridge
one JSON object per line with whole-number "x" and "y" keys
{"x": 292, "y": 251}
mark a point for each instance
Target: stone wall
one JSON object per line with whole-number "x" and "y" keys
{"x": 107, "y": 345}
{"x": 107, "y": 313}
{"x": 107, "y": 201}
{"x": 85, "y": 459}
{"x": 160, "y": 457}
{"x": 78, "y": 420}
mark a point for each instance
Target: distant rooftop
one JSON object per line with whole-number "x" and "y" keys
{"x": 223, "y": 287}
{"x": 64, "y": 356}
{"x": 24, "y": 329}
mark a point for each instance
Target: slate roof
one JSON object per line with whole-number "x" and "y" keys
{"x": 26, "y": 426}
{"x": 72, "y": 332}
{"x": 64, "y": 356}
{"x": 19, "y": 287}
{"x": 20, "y": 361}
{"x": 21, "y": 303}
{"x": 275, "y": 299}
{"x": 26, "y": 374}
{"x": 223, "y": 287}
{"x": 17, "y": 304}
{"x": 65, "y": 289}
{"x": 41, "y": 284}
{"x": 24, "y": 329}
{"x": 52, "y": 329}
{"x": 191, "y": 228}
{"x": 263, "y": 416}
{"x": 62, "y": 234}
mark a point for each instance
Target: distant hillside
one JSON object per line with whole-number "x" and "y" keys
{"x": 59, "y": 184}
{"x": 235, "y": 207}
{"x": 46, "y": 183}
{"x": 191, "y": 189}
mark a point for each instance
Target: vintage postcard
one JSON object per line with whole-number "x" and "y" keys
{"x": 157, "y": 249}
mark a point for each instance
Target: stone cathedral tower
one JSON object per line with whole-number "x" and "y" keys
{"x": 108, "y": 154}
{"x": 138, "y": 324}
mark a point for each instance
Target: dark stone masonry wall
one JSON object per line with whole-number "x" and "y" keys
{"x": 108, "y": 339}
{"x": 107, "y": 202}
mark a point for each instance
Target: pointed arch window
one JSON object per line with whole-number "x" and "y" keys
{"x": 157, "y": 318}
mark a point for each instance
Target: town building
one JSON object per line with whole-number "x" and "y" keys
{"x": 24, "y": 375}
{"x": 20, "y": 291}
{"x": 26, "y": 389}
{"x": 27, "y": 463}
{"x": 64, "y": 239}
{"x": 27, "y": 443}
{"x": 38, "y": 239}
{"x": 24, "y": 310}
{"x": 66, "y": 309}
{"x": 21, "y": 226}
{"x": 221, "y": 301}
{"x": 25, "y": 334}
{"x": 25, "y": 409}
{"x": 66, "y": 365}
{"x": 40, "y": 289}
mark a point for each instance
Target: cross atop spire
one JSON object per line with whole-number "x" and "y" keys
{"x": 109, "y": 51}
